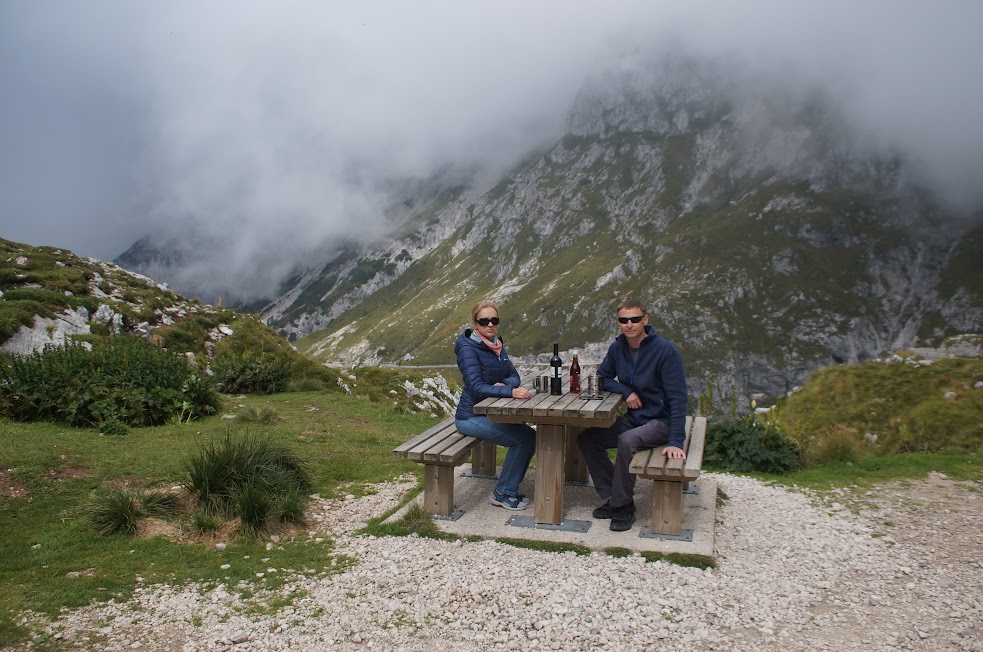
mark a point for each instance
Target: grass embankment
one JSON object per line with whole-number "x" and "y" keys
{"x": 50, "y": 474}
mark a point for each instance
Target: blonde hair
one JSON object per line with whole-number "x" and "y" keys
{"x": 481, "y": 305}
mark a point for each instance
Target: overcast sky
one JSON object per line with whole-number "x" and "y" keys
{"x": 270, "y": 121}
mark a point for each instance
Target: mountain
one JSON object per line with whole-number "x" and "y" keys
{"x": 767, "y": 238}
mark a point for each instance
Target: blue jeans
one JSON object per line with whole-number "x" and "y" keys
{"x": 520, "y": 440}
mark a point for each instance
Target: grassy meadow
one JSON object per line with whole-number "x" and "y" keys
{"x": 50, "y": 474}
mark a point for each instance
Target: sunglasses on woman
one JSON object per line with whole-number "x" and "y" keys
{"x": 484, "y": 321}
{"x": 634, "y": 320}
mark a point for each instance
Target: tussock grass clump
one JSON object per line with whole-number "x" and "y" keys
{"x": 120, "y": 511}
{"x": 250, "y": 478}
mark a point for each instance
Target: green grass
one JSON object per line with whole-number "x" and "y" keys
{"x": 46, "y": 533}
{"x": 904, "y": 404}
{"x": 870, "y": 471}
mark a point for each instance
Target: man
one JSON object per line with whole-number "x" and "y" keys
{"x": 648, "y": 371}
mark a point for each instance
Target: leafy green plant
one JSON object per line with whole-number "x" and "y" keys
{"x": 743, "y": 445}
{"x": 113, "y": 383}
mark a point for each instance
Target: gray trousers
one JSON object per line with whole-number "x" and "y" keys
{"x": 613, "y": 482}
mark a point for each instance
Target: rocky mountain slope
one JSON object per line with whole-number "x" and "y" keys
{"x": 767, "y": 238}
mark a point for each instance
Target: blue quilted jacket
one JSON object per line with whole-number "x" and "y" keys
{"x": 481, "y": 369}
{"x": 656, "y": 375}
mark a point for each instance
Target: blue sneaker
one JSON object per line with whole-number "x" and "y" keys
{"x": 508, "y": 502}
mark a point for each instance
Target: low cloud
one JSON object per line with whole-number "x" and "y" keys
{"x": 270, "y": 126}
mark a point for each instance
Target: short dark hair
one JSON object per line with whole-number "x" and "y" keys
{"x": 629, "y": 304}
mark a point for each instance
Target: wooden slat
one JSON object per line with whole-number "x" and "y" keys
{"x": 403, "y": 449}
{"x": 694, "y": 453}
{"x": 519, "y": 405}
{"x": 451, "y": 450}
{"x": 560, "y": 405}
{"x": 437, "y": 442}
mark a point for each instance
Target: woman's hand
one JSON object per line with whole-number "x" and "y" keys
{"x": 521, "y": 392}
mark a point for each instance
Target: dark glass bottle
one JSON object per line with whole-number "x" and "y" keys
{"x": 575, "y": 374}
{"x": 556, "y": 381}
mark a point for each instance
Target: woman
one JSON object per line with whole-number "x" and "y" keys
{"x": 487, "y": 371}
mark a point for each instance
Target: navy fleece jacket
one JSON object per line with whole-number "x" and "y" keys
{"x": 481, "y": 369}
{"x": 656, "y": 375}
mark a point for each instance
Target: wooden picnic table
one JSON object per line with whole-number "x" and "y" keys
{"x": 558, "y": 420}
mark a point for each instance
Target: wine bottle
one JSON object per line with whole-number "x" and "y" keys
{"x": 575, "y": 374}
{"x": 556, "y": 381}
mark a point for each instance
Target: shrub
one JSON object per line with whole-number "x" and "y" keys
{"x": 743, "y": 445}
{"x": 121, "y": 381}
{"x": 249, "y": 372}
{"x": 249, "y": 478}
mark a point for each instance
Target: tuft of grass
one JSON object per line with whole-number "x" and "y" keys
{"x": 203, "y": 522}
{"x": 157, "y": 502}
{"x": 416, "y": 521}
{"x": 545, "y": 546}
{"x": 618, "y": 552}
{"x": 117, "y": 513}
{"x": 837, "y": 443}
{"x": 250, "y": 478}
{"x": 682, "y": 559}
{"x": 251, "y": 414}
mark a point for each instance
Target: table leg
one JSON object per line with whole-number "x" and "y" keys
{"x": 575, "y": 466}
{"x": 548, "y": 505}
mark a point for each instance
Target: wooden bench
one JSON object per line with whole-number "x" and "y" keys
{"x": 671, "y": 476}
{"x": 439, "y": 450}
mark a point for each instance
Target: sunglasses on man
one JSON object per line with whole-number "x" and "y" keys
{"x": 484, "y": 321}
{"x": 634, "y": 320}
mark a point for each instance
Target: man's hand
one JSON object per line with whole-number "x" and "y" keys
{"x": 674, "y": 453}
{"x": 633, "y": 401}
{"x": 521, "y": 392}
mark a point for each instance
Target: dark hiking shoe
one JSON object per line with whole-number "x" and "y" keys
{"x": 623, "y": 517}
{"x": 604, "y": 511}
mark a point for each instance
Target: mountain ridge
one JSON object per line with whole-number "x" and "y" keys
{"x": 767, "y": 239}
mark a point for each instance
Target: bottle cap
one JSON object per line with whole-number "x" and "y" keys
{"x": 575, "y": 352}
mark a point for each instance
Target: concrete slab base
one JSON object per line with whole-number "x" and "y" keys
{"x": 482, "y": 519}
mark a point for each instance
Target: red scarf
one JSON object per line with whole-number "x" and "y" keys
{"x": 496, "y": 347}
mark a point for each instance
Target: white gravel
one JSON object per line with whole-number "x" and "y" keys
{"x": 899, "y": 569}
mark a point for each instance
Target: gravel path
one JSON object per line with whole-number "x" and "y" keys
{"x": 898, "y": 569}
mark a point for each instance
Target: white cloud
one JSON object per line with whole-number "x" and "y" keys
{"x": 270, "y": 122}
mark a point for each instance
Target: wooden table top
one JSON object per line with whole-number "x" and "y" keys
{"x": 566, "y": 409}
